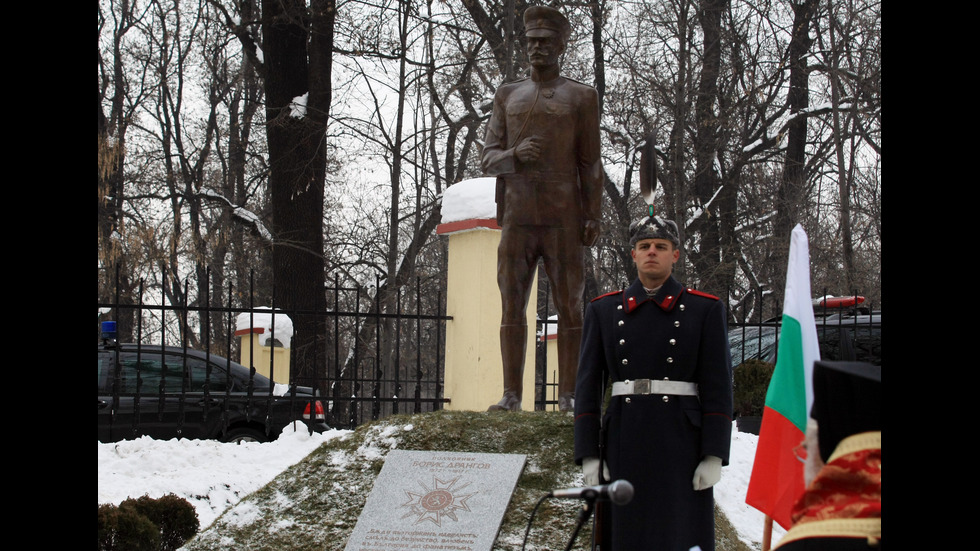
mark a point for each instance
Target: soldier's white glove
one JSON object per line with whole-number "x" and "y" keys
{"x": 590, "y": 470}
{"x": 707, "y": 474}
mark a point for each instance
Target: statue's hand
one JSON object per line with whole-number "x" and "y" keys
{"x": 529, "y": 150}
{"x": 590, "y": 232}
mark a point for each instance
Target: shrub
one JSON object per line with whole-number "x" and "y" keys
{"x": 146, "y": 523}
{"x": 751, "y": 382}
{"x": 173, "y": 515}
{"x": 126, "y": 530}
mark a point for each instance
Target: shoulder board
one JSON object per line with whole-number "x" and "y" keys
{"x": 619, "y": 292}
{"x": 577, "y": 82}
{"x": 701, "y": 294}
{"x": 505, "y": 87}
{"x": 513, "y": 82}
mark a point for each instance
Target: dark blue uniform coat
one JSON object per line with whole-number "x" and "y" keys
{"x": 656, "y": 441}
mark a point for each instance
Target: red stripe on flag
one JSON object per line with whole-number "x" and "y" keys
{"x": 777, "y": 474}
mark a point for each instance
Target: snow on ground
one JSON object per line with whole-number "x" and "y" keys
{"x": 211, "y": 475}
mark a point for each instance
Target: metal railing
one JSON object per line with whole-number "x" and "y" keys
{"x": 352, "y": 376}
{"x": 845, "y": 332}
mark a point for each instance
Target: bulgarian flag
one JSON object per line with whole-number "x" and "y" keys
{"x": 777, "y": 474}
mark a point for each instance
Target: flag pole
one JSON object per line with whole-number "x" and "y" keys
{"x": 767, "y": 534}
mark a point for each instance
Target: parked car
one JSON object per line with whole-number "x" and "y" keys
{"x": 848, "y": 336}
{"x": 167, "y": 392}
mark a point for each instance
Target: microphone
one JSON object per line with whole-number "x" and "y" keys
{"x": 619, "y": 492}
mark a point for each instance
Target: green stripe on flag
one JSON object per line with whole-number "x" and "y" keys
{"x": 787, "y": 390}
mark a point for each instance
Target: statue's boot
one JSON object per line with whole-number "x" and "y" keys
{"x": 513, "y": 344}
{"x": 509, "y": 402}
{"x": 569, "y": 341}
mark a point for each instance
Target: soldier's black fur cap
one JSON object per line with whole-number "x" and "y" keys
{"x": 654, "y": 227}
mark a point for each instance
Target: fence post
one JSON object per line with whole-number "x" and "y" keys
{"x": 474, "y": 370}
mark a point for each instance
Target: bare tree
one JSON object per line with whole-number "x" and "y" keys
{"x": 121, "y": 95}
{"x": 791, "y": 193}
{"x": 174, "y": 32}
{"x": 290, "y": 43}
{"x": 713, "y": 260}
{"x": 759, "y": 115}
{"x": 849, "y": 48}
{"x": 417, "y": 110}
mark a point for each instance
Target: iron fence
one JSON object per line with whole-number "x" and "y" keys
{"x": 352, "y": 373}
{"x": 847, "y": 330}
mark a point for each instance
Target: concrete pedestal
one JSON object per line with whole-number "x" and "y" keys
{"x": 271, "y": 361}
{"x": 266, "y": 338}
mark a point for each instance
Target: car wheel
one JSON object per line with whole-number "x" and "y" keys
{"x": 245, "y": 435}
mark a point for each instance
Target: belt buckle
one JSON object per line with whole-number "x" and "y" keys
{"x": 641, "y": 386}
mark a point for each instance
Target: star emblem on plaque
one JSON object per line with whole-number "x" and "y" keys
{"x": 443, "y": 498}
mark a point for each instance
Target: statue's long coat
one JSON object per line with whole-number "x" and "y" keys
{"x": 564, "y": 186}
{"x": 543, "y": 206}
{"x": 655, "y": 441}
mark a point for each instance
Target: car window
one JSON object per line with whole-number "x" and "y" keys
{"x": 217, "y": 382}
{"x": 754, "y": 342}
{"x": 158, "y": 372}
{"x": 107, "y": 361}
{"x": 104, "y": 362}
{"x": 839, "y": 340}
{"x": 860, "y": 343}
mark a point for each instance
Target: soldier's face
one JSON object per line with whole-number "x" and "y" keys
{"x": 544, "y": 51}
{"x": 654, "y": 259}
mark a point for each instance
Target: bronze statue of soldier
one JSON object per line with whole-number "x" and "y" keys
{"x": 542, "y": 144}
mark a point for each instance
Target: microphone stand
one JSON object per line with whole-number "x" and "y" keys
{"x": 583, "y": 516}
{"x": 619, "y": 492}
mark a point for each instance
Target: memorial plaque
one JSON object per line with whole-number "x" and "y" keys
{"x": 437, "y": 500}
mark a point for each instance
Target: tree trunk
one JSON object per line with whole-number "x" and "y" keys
{"x": 115, "y": 280}
{"x": 790, "y": 195}
{"x": 709, "y": 259}
{"x": 843, "y": 174}
{"x": 297, "y": 46}
{"x": 676, "y": 188}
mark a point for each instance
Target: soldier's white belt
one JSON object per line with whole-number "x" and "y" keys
{"x": 653, "y": 386}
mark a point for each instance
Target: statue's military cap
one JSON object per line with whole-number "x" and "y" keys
{"x": 538, "y": 19}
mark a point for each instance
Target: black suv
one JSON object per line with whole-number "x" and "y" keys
{"x": 168, "y": 392}
{"x": 849, "y": 336}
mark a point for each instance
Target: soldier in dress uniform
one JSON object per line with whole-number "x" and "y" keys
{"x": 542, "y": 143}
{"x": 667, "y": 427}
